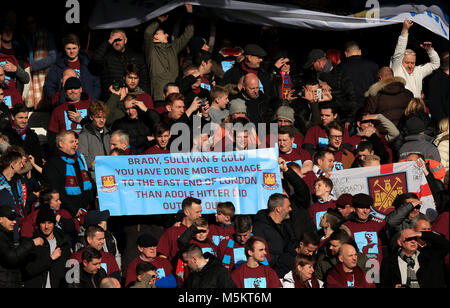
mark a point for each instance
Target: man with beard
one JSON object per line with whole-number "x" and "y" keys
{"x": 71, "y": 115}
{"x": 272, "y": 225}
{"x": 254, "y": 274}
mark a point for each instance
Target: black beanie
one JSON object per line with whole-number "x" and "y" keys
{"x": 45, "y": 214}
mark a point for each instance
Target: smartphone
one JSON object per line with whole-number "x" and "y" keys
{"x": 72, "y": 108}
{"x": 319, "y": 94}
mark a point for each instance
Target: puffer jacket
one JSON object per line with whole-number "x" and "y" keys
{"x": 110, "y": 65}
{"x": 388, "y": 97}
{"x": 11, "y": 259}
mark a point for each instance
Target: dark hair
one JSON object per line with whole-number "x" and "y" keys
{"x": 8, "y": 158}
{"x": 320, "y": 155}
{"x": 159, "y": 128}
{"x": 170, "y": 84}
{"x": 132, "y": 69}
{"x": 365, "y": 145}
{"x": 18, "y": 109}
{"x": 343, "y": 237}
{"x": 201, "y": 56}
{"x": 92, "y": 230}
{"x": 328, "y": 105}
{"x": 90, "y": 253}
{"x": 187, "y": 203}
{"x": 286, "y": 130}
{"x": 71, "y": 39}
{"x": 45, "y": 195}
{"x": 143, "y": 267}
{"x": 249, "y": 245}
{"x": 310, "y": 238}
{"x": 193, "y": 249}
{"x": 401, "y": 199}
{"x": 242, "y": 223}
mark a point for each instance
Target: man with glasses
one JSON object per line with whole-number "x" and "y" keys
{"x": 343, "y": 158}
{"x": 412, "y": 267}
{"x": 407, "y": 206}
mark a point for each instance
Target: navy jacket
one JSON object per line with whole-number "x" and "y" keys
{"x": 90, "y": 83}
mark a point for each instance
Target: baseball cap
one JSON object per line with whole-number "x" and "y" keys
{"x": 8, "y": 212}
{"x": 72, "y": 83}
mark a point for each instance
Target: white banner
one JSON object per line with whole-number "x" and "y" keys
{"x": 128, "y": 13}
{"x": 383, "y": 184}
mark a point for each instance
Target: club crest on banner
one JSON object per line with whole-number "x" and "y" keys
{"x": 384, "y": 189}
{"x": 270, "y": 181}
{"x": 109, "y": 184}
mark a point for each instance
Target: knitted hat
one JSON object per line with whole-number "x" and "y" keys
{"x": 72, "y": 83}
{"x": 196, "y": 43}
{"x": 313, "y": 56}
{"x": 415, "y": 125}
{"x": 343, "y": 200}
{"x": 94, "y": 217}
{"x": 362, "y": 201}
{"x": 237, "y": 105}
{"x": 8, "y": 212}
{"x": 146, "y": 240}
{"x": 45, "y": 214}
{"x": 286, "y": 112}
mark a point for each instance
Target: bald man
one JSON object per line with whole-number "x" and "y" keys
{"x": 416, "y": 267}
{"x": 258, "y": 107}
{"x": 347, "y": 273}
{"x": 388, "y": 96}
{"x": 403, "y": 62}
{"x": 110, "y": 283}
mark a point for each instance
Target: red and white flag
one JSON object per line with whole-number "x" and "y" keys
{"x": 383, "y": 184}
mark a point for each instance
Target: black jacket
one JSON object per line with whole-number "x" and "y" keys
{"x": 11, "y": 259}
{"x": 86, "y": 280}
{"x": 362, "y": 73}
{"x": 431, "y": 273}
{"x": 300, "y": 199}
{"x": 39, "y": 263}
{"x": 343, "y": 93}
{"x": 280, "y": 239}
{"x": 110, "y": 65}
{"x": 438, "y": 95}
{"x": 212, "y": 275}
{"x": 54, "y": 173}
{"x": 138, "y": 129}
